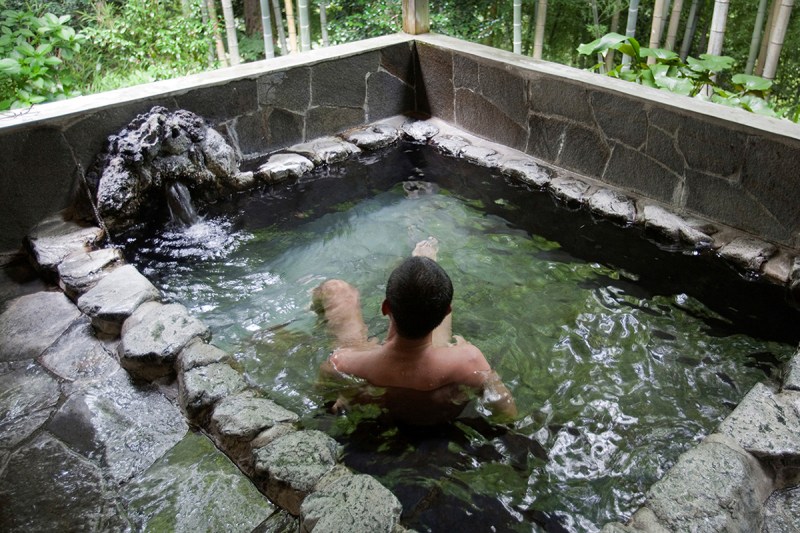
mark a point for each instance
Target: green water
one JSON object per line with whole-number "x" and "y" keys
{"x": 612, "y": 379}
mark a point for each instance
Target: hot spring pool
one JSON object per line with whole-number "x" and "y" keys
{"x": 620, "y": 354}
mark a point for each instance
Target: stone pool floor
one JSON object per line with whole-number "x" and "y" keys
{"x": 85, "y": 448}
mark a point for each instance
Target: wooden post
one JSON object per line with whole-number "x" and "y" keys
{"x": 416, "y": 18}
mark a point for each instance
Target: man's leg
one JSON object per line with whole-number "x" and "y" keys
{"x": 443, "y": 333}
{"x": 339, "y": 302}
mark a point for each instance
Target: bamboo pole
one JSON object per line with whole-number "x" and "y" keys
{"x": 719, "y": 20}
{"x": 266, "y": 25}
{"x": 655, "y": 28}
{"x": 538, "y": 38}
{"x": 674, "y": 21}
{"x": 230, "y": 32}
{"x": 755, "y": 40}
{"x": 762, "y": 54}
{"x": 323, "y": 22}
{"x": 776, "y": 39}
{"x": 688, "y": 34}
{"x": 517, "y": 26}
{"x": 276, "y": 8}
{"x": 212, "y": 14}
{"x": 630, "y": 27}
{"x": 305, "y": 33}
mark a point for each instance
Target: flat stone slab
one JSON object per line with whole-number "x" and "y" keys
{"x": 127, "y": 425}
{"x": 613, "y": 205}
{"x": 782, "y": 512}
{"x": 326, "y": 150}
{"x": 54, "y": 239}
{"x": 78, "y": 355}
{"x": 154, "y": 335}
{"x": 526, "y": 170}
{"x": 28, "y": 397}
{"x": 31, "y": 323}
{"x": 715, "y": 486}
{"x": 200, "y": 353}
{"x": 203, "y": 386}
{"x": 81, "y": 271}
{"x": 48, "y": 487}
{"x": 481, "y": 155}
{"x": 449, "y": 144}
{"x": 194, "y": 487}
{"x": 667, "y": 225}
{"x": 351, "y": 503}
{"x": 766, "y": 423}
{"x": 281, "y": 167}
{"x": 373, "y": 137}
{"x": 750, "y": 254}
{"x": 243, "y": 416}
{"x": 116, "y": 297}
{"x": 419, "y": 131}
{"x": 569, "y": 190}
{"x": 293, "y": 464}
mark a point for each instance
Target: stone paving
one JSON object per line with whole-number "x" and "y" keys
{"x": 116, "y": 414}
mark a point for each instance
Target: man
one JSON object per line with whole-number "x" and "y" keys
{"x": 422, "y": 378}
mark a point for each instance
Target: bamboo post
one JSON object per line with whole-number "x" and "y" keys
{"x": 416, "y": 19}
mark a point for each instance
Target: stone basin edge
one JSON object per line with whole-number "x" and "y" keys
{"x": 300, "y": 470}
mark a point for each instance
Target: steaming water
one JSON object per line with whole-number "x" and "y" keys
{"x": 620, "y": 355}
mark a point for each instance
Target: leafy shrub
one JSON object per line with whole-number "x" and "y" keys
{"x": 34, "y": 58}
{"x": 701, "y": 78}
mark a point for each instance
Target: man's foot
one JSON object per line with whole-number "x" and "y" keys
{"x": 428, "y": 248}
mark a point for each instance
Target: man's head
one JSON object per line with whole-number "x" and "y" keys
{"x": 419, "y": 293}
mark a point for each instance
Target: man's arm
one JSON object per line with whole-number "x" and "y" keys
{"x": 339, "y": 302}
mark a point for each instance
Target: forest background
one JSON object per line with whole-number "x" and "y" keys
{"x": 51, "y": 50}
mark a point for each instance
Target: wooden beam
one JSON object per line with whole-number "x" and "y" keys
{"x": 416, "y": 18}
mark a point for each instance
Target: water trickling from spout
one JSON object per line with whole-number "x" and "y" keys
{"x": 180, "y": 205}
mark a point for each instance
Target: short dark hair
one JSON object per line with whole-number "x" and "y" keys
{"x": 419, "y": 293}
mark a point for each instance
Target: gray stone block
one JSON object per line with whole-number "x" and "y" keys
{"x": 373, "y": 137}
{"x": 571, "y": 191}
{"x": 748, "y": 253}
{"x": 711, "y": 148}
{"x": 398, "y": 60}
{"x": 771, "y": 176}
{"x": 154, "y": 335}
{"x": 325, "y": 120}
{"x": 449, "y": 144}
{"x": 289, "y": 89}
{"x": 666, "y": 225}
{"x": 284, "y": 129}
{"x": 621, "y": 119}
{"x": 435, "y": 82}
{"x": 465, "y": 73}
{"x": 766, "y": 423}
{"x": 546, "y": 137}
{"x": 351, "y": 503}
{"x": 612, "y": 205}
{"x": 280, "y": 167}
{"x": 388, "y": 96}
{"x": 782, "y": 512}
{"x": 715, "y": 486}
{"x": 343, "y": 82}
{"x": 481, "y": 155}
{"x": 126, "y": 426}
{"x": 28, "y": 397}
{"x": 48, "y": 487}
{"x": 478, "y": 115}
{"x": 560, "y": 99}
{"x": 81, "y": 271}
{"x": 661, "y": 147}
{"x": 53, "y": 239}
{"x": 292, "y": 465}
{"x": 420, "y": 131}
{"x": 505, "y": 90}
{"x": 116, "y": 297}
{"x": 325, "y": 150}
{"x": 527, "y": 171}
{"x": 243, "y": 416}
{"x": 31, "y": 323}
{"x": 792, "y": 380}
{"x": 203, "y": 386}
{"x": 222, "y": 102}
{"x": 584, "y": 151}
{"x": 199, "y": 353}
{"x": 78, "y": 355}
{"x": 252, "y": 133}
{"x": 636, "y": 172}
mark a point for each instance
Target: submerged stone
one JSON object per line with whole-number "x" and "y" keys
{"x": 419, "y": 131}
{"x": 525, "y": 170}
{"x": 31, "y": 323}
{"x": 766, "y": 423}
{"x": 351, "y": 503}
{"x": 53, "y": 239}
{"x": 48, "y": 487}
{"x": 569, "y": 190}
{"x": 199, "y": 353}
{"x": 81, "y": 271}
{"x": 126, "y": 425}
{"x": 326, "y": 150}
{"x": 78, "y": 355}
{"x": 748, "y": 253}
{"x": 292, "y": 465}
{"x": 778, "y": 269}
{"x": 194, "y": 487}
{"x": 28, "y": 397}
{"x": 449, "y": 144}
{"x": 373, "y": 137}
{"x": 202, "y": 387}
{"x": 666, "y": 225}
{"x": 154, "y": 335}
{"x": 116, "y": 297}
{"x": 280, "y": 522}
{"x": 280, "y": 167}
{"x": 716, "y": 486}
{"x": 613, "y": 205}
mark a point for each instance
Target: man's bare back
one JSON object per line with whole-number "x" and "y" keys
{"x": 425, "y": 379}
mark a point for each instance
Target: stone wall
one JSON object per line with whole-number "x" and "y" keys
{"x": 259, "y": 108}
{"x": 725, "y": 164}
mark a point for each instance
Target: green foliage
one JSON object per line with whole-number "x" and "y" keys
{"x": 353, "y": 20}
{"x": 34, "y": 56}
{"x": 701, "y": 77}
{"x": 143, "y": 40}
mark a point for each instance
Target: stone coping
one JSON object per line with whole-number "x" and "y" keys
{"x": 732, "y": 472}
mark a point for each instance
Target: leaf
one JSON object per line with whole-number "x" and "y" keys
{"x": 666, "y": 77}
{"x": 609, "y": 40}
{"x": 660, "y": 53}
{"x": 26, "y": 48}
{"x": 52, "y": 61}
{"x": 757, "y": 105}
{"x": 752, "y": 83}
{"x": 44, "y": 49}
{"x": 9, "y": 66}
{"x": 710, "y": 63}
